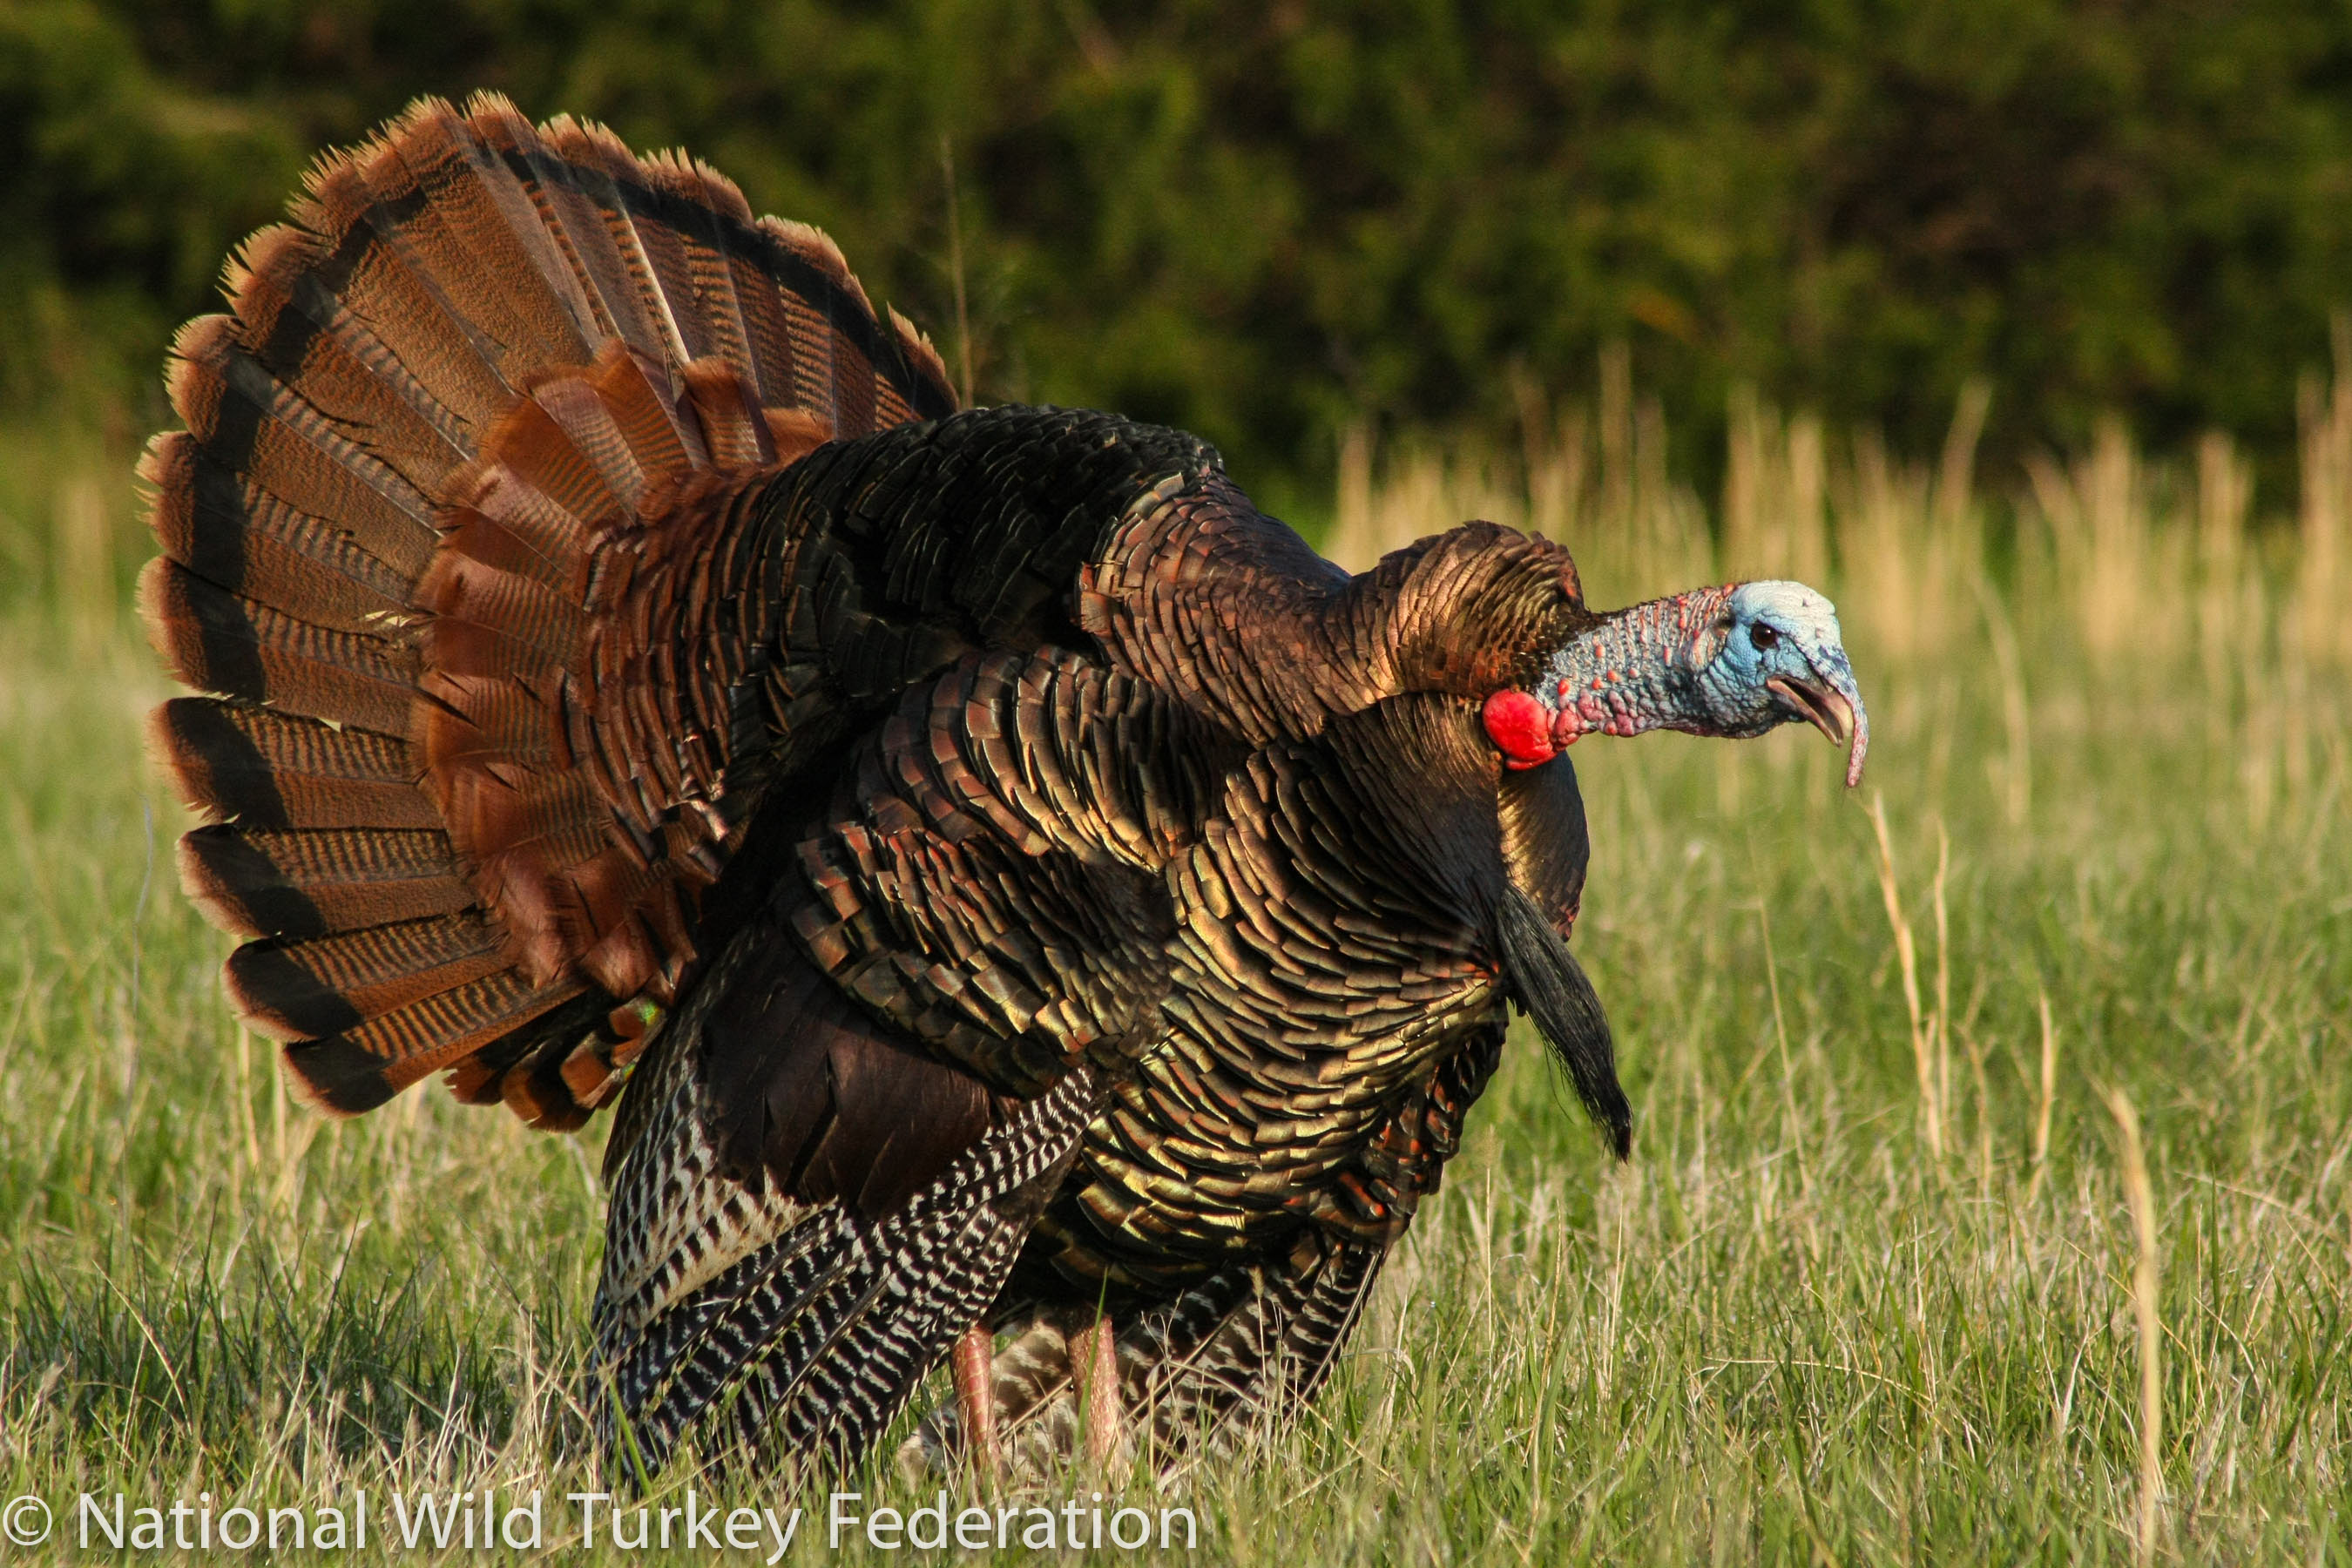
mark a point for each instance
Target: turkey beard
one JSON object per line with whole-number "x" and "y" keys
{"x": 1552, "y": 987}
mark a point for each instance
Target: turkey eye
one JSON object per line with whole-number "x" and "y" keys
{"x": 1763, "y": 636}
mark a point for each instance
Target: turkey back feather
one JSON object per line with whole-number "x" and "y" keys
{"x": 464, "y": 788}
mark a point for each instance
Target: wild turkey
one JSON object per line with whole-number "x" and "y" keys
{"x": 1060, "y": 889}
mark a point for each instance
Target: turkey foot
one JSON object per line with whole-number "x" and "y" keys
{"x": 972, "y": 1364}
{"x": 1094, "y": 1368}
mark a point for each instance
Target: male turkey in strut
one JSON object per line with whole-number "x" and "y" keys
{"x": 1074, "y": 907}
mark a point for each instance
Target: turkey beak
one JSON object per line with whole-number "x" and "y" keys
{"x": 1832, "y": 706}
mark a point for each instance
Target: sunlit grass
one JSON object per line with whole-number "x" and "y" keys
{"x": 1864, "y": 1293}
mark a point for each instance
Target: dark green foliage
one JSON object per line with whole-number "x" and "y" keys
{"x": 1259, "y": 222}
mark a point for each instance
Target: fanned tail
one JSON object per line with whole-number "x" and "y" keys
{"x": 481, "y": 363}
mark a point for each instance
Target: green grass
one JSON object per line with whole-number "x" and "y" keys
{"x": 1788, "y": 1331}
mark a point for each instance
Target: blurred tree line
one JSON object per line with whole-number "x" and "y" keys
{"x": 1265, "y": 221}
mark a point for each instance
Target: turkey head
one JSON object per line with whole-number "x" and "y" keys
{"x": 1732, "y": 662}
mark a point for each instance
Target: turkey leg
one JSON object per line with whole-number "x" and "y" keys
{"x": 971, "y": 1363}
{"x": 1094, "y": 1367}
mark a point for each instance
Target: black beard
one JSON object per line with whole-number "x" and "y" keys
{"x": 1551, "y": 986}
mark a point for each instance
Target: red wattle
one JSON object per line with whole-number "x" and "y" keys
{"x": 1519, "y": 728}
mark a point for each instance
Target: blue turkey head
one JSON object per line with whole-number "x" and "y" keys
{"x": 1776, "y": 655}
{"x": 1731, "y": 661}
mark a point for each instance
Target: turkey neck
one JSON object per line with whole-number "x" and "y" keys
{"x": 1637, "y": 669}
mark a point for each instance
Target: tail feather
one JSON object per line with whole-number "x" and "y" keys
{"x": 363, "y": 284}
{"x": 270, "y": 432}
{"x": 306, "y": 337}
{"x": 467, "y": 223}
{"x": 299, "y": 989}
{"x": 219, "y": 641}
{"x": 266, "y": 769}
{"x": 224, "y": 528}
{"x": 622, "y": 257}
{"x": 477, "y": 356}
{"x": 360, "y": 1068}
{"x": 256, "y": 882}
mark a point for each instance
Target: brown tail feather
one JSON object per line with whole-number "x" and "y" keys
{"x": 360, "y": 1068}
{"x": 216, "y": 641}
{"x": 255, "y": 883}
{"x": 474, "y": 416}
{"x": 262, "y": 769}
{"x": 305, "y": 336}
{"x": 299, "y": 990}
{"x": 254, "y": 424}
{"x": 227, "y": 530}
{"x": 470, "y": 225}
{"x": 563, "y": 479}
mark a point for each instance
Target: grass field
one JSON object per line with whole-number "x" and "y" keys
{"x": 1888, "y": 1278}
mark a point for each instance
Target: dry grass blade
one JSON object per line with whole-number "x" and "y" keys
{"x": 2141, "y": 1200}
{"x": 2046, "y": 1102}
{"x": 2016, "y": 714}
{"x": 1907, "y": 954}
